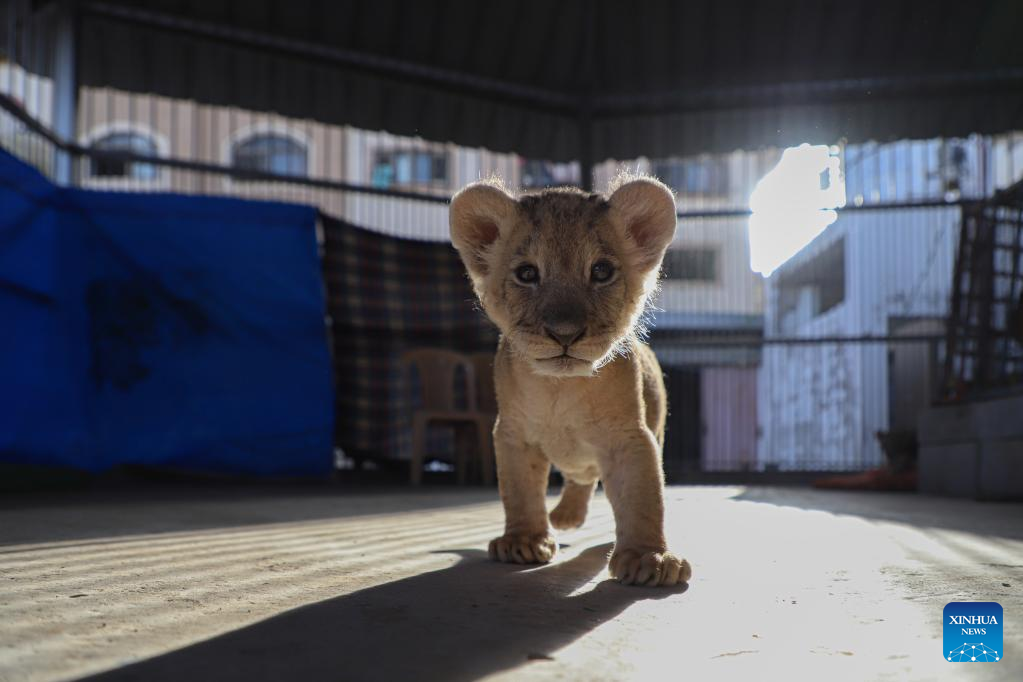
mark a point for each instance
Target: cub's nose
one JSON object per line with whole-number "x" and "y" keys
{"x": 566, "y": 334}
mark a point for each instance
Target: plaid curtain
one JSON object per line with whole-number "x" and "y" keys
{"x": 386, "y": 295}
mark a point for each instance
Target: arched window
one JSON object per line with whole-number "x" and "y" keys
{"x": 271, "y": 153}
{"x": 135, "y": 143}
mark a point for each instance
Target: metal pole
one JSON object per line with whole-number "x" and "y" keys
{"x": 65, "y": 86}
{"x": 586, "y": 151}
{"x": 585, "y": 123}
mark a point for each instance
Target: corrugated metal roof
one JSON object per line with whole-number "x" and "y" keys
{"x": 655, "y": 77}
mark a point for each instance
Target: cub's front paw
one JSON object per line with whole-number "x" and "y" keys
{"x": 649, "y": 568}
{"x": 523, "y": 549}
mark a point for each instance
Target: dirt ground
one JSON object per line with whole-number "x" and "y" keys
{"x": 318, "y": 583}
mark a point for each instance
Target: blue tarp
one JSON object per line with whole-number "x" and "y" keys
{"x": 174, "y": 331}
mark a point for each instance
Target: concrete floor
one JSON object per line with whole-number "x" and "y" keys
{"x": 323, "y": 584}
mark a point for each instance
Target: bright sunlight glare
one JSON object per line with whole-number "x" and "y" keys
{"x": 793, "y": 203}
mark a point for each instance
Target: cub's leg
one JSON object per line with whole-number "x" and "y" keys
{"x": 571, "y": 509}
{"x": 633, "y": 481}
{"x": 522, "y": 473}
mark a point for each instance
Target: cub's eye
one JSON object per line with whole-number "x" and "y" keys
{"x": 527, "y": 274}
{"x": 602, "y": 271}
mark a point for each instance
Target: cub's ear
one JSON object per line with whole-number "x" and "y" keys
{"x": 478, "y": 215}
{"x": 646, "y": 207}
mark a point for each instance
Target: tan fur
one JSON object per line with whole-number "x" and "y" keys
{"x": 595, "y": 404}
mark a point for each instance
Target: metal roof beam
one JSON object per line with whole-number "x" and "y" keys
{"x": 956, "y": 83}
{"x": 456, "y": 81}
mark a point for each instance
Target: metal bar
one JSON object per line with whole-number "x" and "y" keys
{"x": 245, "y": 174}
{"x": 953, "y": 348}
{"x": 533, "y": 97}
{"x": 75, "y": 149}
{"x": 584, "y": 123}
{"x": 982, "y": 290}
{"x": 65, "y": 86}
{"x": 585, "y": 127}
{"x": 678, "y": 338}
{"x": 881, "y": 206}
{"x": 12, "y": 107}
{"x": 958, "y": 83}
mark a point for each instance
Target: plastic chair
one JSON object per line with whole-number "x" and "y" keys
{"x": 438, "y": 373}
{"x": 486, "y": 411}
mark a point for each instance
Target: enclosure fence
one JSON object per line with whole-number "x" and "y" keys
{"x": 804, "y": 304}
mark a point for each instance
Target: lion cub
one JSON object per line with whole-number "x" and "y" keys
{"x": 565, "y": 275}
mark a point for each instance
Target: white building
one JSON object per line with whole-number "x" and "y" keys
{"x": 872, "y": 273}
